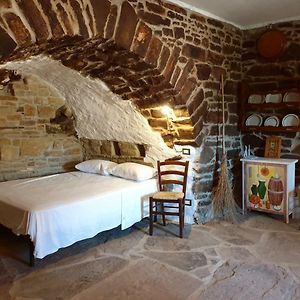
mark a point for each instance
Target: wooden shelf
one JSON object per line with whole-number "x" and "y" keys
{"x": 270, "y": 129}
{"x": 280, "y": 109}
{"x": 282, "y": 105}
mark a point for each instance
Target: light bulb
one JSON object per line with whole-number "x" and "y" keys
{"x": 166, "y": 110}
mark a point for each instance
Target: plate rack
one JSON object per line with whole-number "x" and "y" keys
{"x": 270, "y": 108}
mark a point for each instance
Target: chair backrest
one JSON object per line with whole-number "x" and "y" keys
{"x": 172, "y": 172}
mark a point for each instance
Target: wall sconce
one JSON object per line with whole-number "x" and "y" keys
{"x": 167, "y": 111}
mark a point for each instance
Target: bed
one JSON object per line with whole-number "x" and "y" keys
{"x": 56, "y": 211}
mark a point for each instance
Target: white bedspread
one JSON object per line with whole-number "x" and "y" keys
{"x": 69, "y": 207}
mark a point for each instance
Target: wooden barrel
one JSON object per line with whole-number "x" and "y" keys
{"x": 275, "y": 191}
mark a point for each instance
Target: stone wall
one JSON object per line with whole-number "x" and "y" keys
{"x": 36, "y": 131}
{"x": 175, "y": 55}
{"x": 206, "y": 49}
{"x": 149, "y": 52}
{"x": 283, "y": 73}
{"x": 153, "y": 53}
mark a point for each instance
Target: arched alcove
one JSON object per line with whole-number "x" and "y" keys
{"x": 115, "y": 42}
{"x": 150, "y": 53}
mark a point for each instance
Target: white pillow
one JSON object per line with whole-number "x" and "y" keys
{"x": 133, "y": 171}
{"x": 96, "y": 166}
{"x": 106, "y": 166}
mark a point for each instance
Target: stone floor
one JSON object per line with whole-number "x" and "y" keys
{"x": 258, "y": 259}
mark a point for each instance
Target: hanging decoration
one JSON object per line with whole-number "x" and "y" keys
{"x": 271, "y": 44}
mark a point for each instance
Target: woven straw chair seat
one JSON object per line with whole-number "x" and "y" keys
{"x": 168, "y": 195}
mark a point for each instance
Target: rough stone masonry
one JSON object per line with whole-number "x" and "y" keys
{"x": 149, "y": 52}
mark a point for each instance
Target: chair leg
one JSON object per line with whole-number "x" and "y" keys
{"x": 181, "y": 219}
{"x": 151, "y": 217}
{"x": 163, "y": 213}
{"x": 154, "y": 203}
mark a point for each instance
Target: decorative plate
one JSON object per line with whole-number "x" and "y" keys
{"x": 272, "y": 121}
{"x": 291, "y": 97}
{"x": 290, "y": 120}
{"x": 254, "y": 120}
{"x": 256, "y": 98}
{"x": 271, "y": 44}
{"x": 273, "y": 98}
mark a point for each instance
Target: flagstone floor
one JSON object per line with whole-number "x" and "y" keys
{"x": 257, "y": 259}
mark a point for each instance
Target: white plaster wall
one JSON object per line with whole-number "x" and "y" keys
{"x": 99, "y": 113}
{"x": 245, "y": 14}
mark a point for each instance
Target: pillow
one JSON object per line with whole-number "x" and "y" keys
{"x": 106, "y": 166}
{"x": 133, "y": 171}
{"x": 96, "y": 166}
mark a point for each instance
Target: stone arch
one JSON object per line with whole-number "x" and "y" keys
{"x": 129, "y": 57}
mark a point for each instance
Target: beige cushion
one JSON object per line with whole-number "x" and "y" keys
{"x": 168, "y": 195}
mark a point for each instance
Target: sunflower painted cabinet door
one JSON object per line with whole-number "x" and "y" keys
{"x": 268, "y": 185}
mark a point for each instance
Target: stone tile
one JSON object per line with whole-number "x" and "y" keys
{"x": 4, "y": 290}
{"x": 143, "y": 280}
{"x": 62, "y": 283}
{"x": 122, "y": 244}
{"x": 210, "y": 252}
{"x": 236, "y": 235}
{"x": 202, "y": 272}
{"x": 166, "y": 244}
{"x": 194, "y": 240}
{"x": 267, "y": 222}
{"x": 146, "y": 270}
{"x": 249, "y": 281}
{"x": 213, "y": 261}
{"x": 6, "y": 281}
{"x": 183, "y": 260}
{"x": 84, "y": 256}
{"x": 171, "y": 230}
{"x": 279, "y": 247}
{"x": 16, "y": 267}
{"x": 296, "y": 272}
{"x": 236, "y": 253}
{"x": 201, "y": 239}
{"x": 203, "y": 227}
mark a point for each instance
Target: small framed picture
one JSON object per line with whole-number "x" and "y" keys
{"x": 273, "y": 147}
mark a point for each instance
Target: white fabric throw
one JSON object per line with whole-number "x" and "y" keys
{"x": 66, "y": 208}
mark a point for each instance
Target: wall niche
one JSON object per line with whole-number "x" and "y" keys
{"x": 37, "y": 135}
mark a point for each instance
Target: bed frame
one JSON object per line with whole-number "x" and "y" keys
{"x": 27, "y": 241}
{"x": 31, "y": 250}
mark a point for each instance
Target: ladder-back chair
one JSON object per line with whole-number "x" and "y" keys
{"x": 169, "y": 173}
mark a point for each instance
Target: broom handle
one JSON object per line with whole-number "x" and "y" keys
{"x": 223, "y": 114}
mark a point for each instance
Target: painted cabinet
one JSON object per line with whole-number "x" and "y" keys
{"x": 268, "y": 185}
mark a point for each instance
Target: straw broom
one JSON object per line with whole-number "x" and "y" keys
{"x": 224, "y": 206}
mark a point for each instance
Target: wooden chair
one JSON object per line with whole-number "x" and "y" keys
{"x": 169, "y": 172}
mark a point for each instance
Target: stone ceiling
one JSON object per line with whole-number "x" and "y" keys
{"x": 100, "y": 40}
{"x": 149, "y": 52}
{"x": 85, "y": 46}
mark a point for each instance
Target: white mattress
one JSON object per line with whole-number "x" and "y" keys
{"x": 66, "y": 208}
